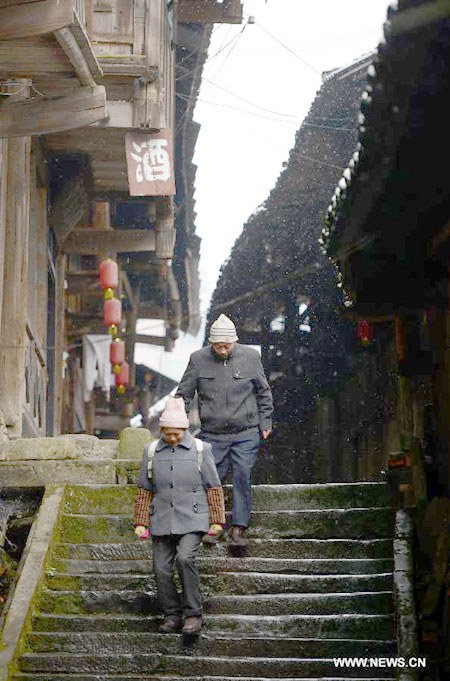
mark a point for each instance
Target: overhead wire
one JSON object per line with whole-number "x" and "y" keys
{"x": 286, "y": 47}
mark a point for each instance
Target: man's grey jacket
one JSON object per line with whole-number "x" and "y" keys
{"x": 233, "y": 394}
{"x": 179, "y": 503}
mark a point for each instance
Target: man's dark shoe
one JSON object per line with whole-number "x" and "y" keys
{"x": 237, "y": 535}
{"x": 171, "y": 625}
{"x": 237, "y": 547}
{"x": 192, "y": 625}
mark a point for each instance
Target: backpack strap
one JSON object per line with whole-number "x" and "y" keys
{"x": 199, "y": 445}
{"x": 151, "y": 448}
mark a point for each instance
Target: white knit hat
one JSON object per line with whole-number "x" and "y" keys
{"x": 174, "y": 415}
{"x": 222, "y": 331}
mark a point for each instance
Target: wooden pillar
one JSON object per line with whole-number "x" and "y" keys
{"x": 13, "y": 335}
{"x": 3, "y": 169}
{"x": 90, "y": 416}
{"x": 441, "y": 380}
{"x": 326, "y": 450}
{"x": 61, "y": 263}
{"x": 130, "y": 342}
{"x": 41, "y": 266}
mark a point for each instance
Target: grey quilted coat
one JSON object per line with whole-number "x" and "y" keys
{"x": 179, "y": 502}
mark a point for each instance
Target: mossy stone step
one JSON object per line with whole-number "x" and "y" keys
{"x": 213, "y": 564}
{"x": 377, "y": 627}
{"x": 211, "y": 643}
{"x": 100, "y": 499}
{"x": 115, "y": 602}
{"x": 145, "y": 677}
{"x": 230, "y": 582}
{"x": 149, "y": 664}
{"x": 276, "y": 548}
{"x": 324, "y": 524}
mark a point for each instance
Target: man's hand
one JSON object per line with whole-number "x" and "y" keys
{"x": 265, "y": 433}
{"x": 142, "y": 532}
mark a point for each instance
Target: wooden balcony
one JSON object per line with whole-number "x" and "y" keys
{"x": 132, "y": 43}
{"x": 46, "y": 54}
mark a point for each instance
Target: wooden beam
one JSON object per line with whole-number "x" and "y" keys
{"x": 84, "y": 107}
{"x": 71, "y": 48}
{"x": 69, "y": 208}
{"x": 127, "y": 287}
{"x": 149, "y": 340}
{"x": 35, "y": 18}
{"x": 91, "y": 242}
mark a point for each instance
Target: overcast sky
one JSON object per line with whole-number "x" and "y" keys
{"x": 259, "y": 82}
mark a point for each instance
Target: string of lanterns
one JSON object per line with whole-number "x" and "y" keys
{"x": 108, "y": 271}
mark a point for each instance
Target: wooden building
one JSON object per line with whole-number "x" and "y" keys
{"x": 291, "y": 300}
{"x": 387, "y": 226}
{"x": 75, "y": 77}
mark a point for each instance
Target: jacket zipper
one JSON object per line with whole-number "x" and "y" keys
{"x": 226, "y": 391}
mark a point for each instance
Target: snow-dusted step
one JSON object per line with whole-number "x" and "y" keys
{"x": 186, "y": 665}
{"x": 229, "y": 582}
{"x": 86, "y": 602}
{"x": 355, "y": 626}
{"x": 135, "y": 549}
{"x": 323, "y": 524}
{"x": 145, "y": 677}
{"x": 211, "y": 643}
{"x": 101, "y": 499}
{"x": 213, "y": 564}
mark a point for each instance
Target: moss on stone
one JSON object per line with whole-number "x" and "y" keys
{"x": 132, "y": 442}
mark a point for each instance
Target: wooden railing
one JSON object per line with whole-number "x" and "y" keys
{"x": 85, "y": 13}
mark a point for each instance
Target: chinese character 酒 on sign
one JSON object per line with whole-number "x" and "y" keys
{"x": 150, "y": 164}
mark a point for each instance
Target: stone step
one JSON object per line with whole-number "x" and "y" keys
{"x": 211, "y": 643}
{"x": 132, "y": 602}
{"x": 229, "y": 582}
{"x": 151, "y": 664}
{"x": 213, "y": 564}
{"x": 144, "y": 677}
{"x": 379, "y": 627}
{"x": 323, "y": 524}
{"x": 100, "y": 499}
{"x": 134, "y": 548}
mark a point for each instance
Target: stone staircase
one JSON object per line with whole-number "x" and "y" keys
{"x": 317, "y": 584}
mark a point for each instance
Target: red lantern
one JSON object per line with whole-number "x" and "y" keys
{"x": 123, "y": 377}
{"x": 365, "y": 332}
{"x": 117, "y": 351}
{"x": 112, "y": 312}
{"x": 109, "y": 273}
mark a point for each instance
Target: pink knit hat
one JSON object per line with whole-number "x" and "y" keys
{"x": 174, "y": 415}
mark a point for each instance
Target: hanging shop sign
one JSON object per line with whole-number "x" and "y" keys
{"x": 150, "y": 163}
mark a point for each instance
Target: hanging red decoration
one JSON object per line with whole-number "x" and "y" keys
{"x": 123, "y": 377}
{"x": 117, "y": 351}
{"x": 365, "y": 332}
{"x": 109, "y": 273}
{"x": 112, "y": 312}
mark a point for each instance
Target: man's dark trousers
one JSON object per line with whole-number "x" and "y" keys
{"x": 237, "y": 452}
{"x": 180, "y": 549}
